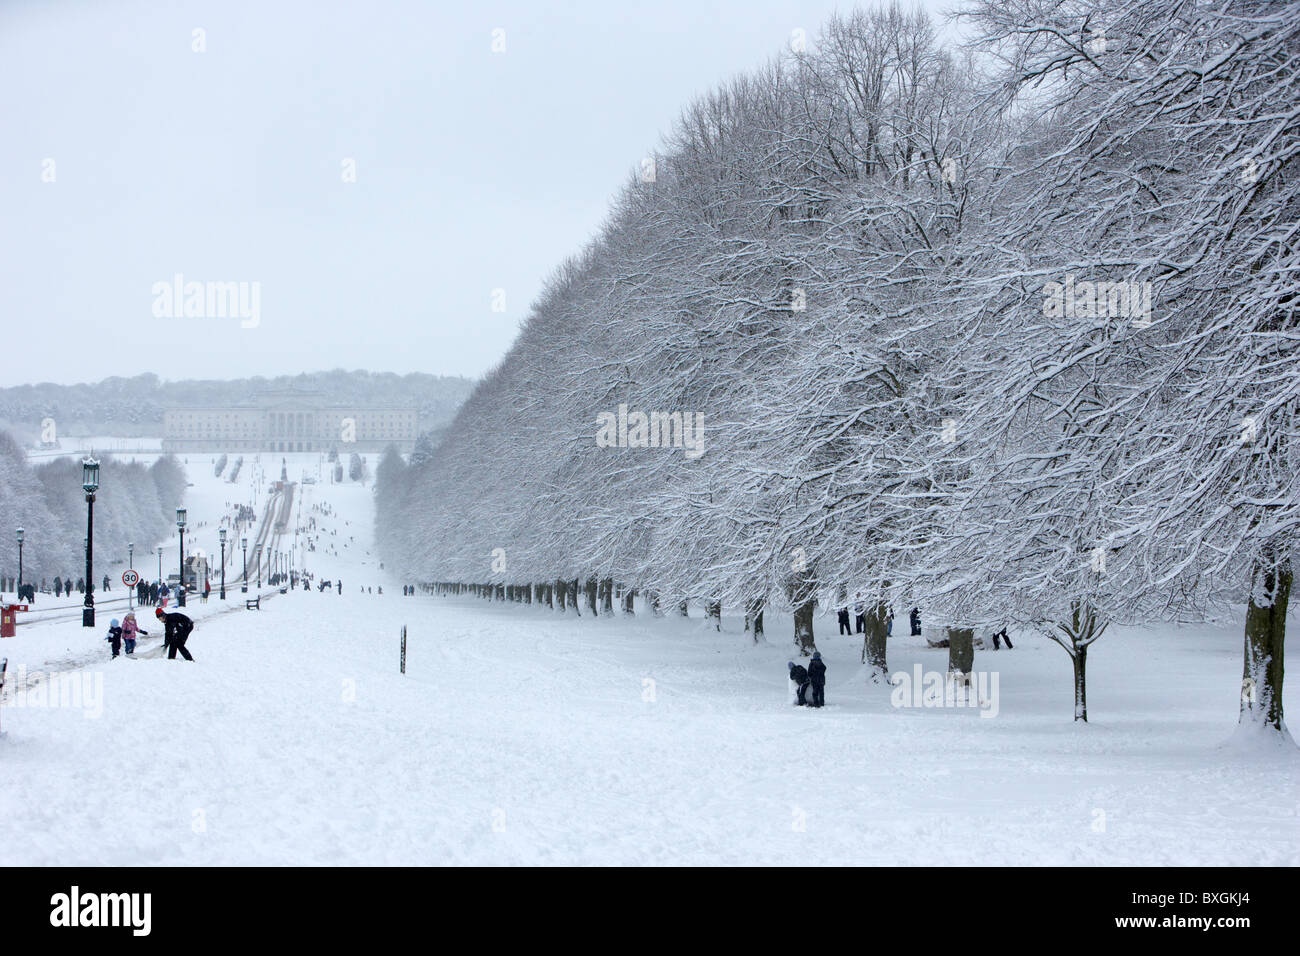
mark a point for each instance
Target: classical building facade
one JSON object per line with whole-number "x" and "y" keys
{"x": 289, "y": 422}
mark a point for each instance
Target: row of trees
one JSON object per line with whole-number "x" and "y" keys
{"x": 134, "y": 503}
{"x": 1012, "y": 333}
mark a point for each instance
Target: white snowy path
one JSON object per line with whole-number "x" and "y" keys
{"x": 520, "y": 736}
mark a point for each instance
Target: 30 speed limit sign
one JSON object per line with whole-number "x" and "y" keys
{"x": 130, "y": 578}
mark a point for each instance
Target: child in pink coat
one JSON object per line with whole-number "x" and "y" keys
{"x": 129, "y": 631}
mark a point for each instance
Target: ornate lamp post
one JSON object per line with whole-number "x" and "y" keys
{"x": 222, "y": 535}
{"x": 257, "y": 556}
{"x": 243, "y": 544}
{"x": 20, "y": 563}
{"x": 130, "y": 563}
{"x": 89, "y": 484}
{"x": 180, "y": 587}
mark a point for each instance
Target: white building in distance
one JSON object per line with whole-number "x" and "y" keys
{"x": 290, "y": 421}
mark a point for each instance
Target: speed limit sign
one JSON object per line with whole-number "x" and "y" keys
{"x": 130, "y": 578}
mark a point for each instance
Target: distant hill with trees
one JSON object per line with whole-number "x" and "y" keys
{"x": 131, "y": 407}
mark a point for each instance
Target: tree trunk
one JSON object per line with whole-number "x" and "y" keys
{"x": 629, "y": 595}
{"x": 803, "y": 625}
{"x": 591, "y": 595}
{"x": 655, "y": 609}
{"x": 961, "y": 650}
{"x": 874, "y": 639}
{"x": 713, "y": 612}
{"x": 559, "y": 594}
{"x": 607, "y": 605}
{"x": 1261, "y": 681}
{"x": 754, "y": 619}
{"x": 1080, "y": 658}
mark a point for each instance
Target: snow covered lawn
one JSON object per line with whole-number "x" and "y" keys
{"x": 518, "y": 736}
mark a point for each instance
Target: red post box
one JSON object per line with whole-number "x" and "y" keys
{"x": 9, "y": 618}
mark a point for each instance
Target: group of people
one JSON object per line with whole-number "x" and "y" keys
{"x": 860, "y": 621}
{"x": 176, "y": 631}
{"x": 811, "y": 677}
{"x": 152, "y": 593}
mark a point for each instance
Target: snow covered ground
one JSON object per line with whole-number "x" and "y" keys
{"x": 518, "y": 735}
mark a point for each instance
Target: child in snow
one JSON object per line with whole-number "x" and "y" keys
{"x": 114, "y": 637}
{"x": 799, "y": 675}
{"x": 131, "y": 628}
{"x": 817, "y": 678}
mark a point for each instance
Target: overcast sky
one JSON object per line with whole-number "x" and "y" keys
{"x": 127, "y": 158}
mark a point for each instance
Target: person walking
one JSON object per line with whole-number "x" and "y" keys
{"x": 844, "y": 621}
{"x": 860, "y": 609}
{"x": 916, "y": 621}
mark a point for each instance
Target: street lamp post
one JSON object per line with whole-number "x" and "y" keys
{"x": 243, "y": 544}
{"x": 89, "y": 484}
{"x": 222, "y": 535}
{"x": 158, "y": 551}
{"x": 180, "y": 587}
{"x": 257, "y": 556}
{"x": 20, "y": 563}
{"x": 130, "y": 563}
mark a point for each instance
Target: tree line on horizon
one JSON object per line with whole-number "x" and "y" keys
{"x": 129, "y": 407}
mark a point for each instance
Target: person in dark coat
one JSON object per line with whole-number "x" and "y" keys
{"x": 860, "y": 612}
{"x": 817, "y": 678}
{"x": 177, "y": 631}
{"x": 844, "y": 621}
{"x": 916, "y": 621}
{"x": 799, "y": 675}
{"x": 153, "y": 593}
{"x": 114, "y": 637}
{"x": 340, "y": 587}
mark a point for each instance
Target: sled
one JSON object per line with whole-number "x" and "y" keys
{"x": 938, "y": 637}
